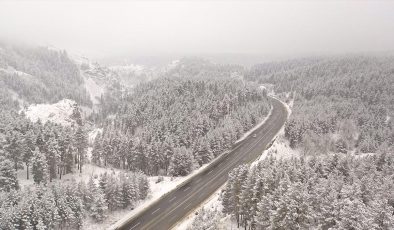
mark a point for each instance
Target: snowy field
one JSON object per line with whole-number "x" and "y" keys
{"x": 59, "y": 112}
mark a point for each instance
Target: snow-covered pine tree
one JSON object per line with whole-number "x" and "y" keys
{"x": 97, "y": 150}
{"x": 53, "y": 158}
{"x": 81, "y": 144}
{"x": 182, "y": 162}
{"x": 39, "y": 167}
{"x": 8, "y": 177}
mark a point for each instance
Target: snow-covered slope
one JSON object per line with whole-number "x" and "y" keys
{"x": 11, "y": 70}
{"x": 137, "y": 69}
{"x": 94, "y": 89}
{"x": 59, "y": 113}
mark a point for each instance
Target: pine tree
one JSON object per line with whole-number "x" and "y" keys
{"x": 14, "y": 147}
{"x": 81, "y": 144}
{"x": 8, "y": 177}
{"x": 265, "y": 208}
{"x": 182, "y": 162}
{"x": 28, "y": 153}
{"x": 143, "y": 186}
{"x": 204, "y": 152}
{"x": 53, "y": 158}
{"x": 96, "y": 203}
{"x": 91, "y": 191}
{"x": 40, "y": 167}
{"x": 129, "y": 192}
{"x": 97, "y": 151}
{"x": 99, "y": 206}
{"x": 40, "y": 225}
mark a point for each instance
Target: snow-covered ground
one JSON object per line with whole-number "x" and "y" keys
{"x": 59, "y": 112}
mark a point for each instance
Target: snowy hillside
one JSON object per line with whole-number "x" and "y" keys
{"x": 59, "y": 112}
{"x": 94, "y": 89}
{"x": 12, "y": 70}
{"x": 131, "y": 68}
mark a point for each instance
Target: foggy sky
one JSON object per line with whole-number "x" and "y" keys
{"x": 109, "y": 28}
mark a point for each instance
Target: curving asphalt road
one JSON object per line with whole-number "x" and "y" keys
{"x": 177, "y": 204}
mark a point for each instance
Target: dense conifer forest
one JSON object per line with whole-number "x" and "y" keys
{"x": 341, "y": 104}
{"x": 170, "y": 126}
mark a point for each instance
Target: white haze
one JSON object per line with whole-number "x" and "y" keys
{"x": 278, "y": 28}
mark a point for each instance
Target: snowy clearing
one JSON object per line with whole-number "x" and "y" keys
{"x": 59, "y": 112}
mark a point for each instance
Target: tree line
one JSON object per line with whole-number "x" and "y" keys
{"x": 66, "y": 205}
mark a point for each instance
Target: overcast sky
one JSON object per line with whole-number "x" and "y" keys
{"x": 109, "y": 28}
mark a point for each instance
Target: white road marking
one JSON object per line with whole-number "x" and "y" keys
{"x": 198, "y": 180}
{"x": 187, "y": 206}
{"x": 172, "y": 198}
{"x": 186, "y": 189}
{"x": 210, "y": 171}
{"x": 135, "y": 226}
{"x": 155, "y": 211}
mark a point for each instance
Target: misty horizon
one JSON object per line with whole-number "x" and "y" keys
{"x": 259, "y": 30}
